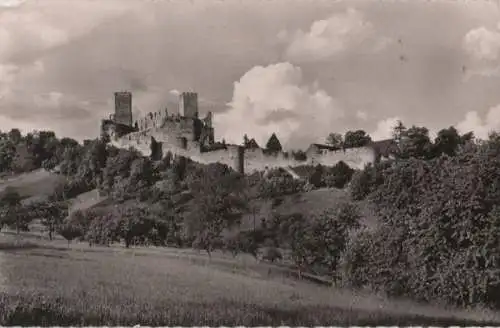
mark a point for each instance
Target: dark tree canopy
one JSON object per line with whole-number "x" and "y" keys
{"x": 358, "y": 138}
{"x": 273, "y": 144}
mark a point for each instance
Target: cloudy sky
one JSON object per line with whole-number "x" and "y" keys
{"x": 302, "y": 68}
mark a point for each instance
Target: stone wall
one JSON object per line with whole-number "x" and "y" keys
{"x": 251, "y": 159}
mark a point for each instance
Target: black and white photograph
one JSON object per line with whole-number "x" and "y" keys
{"x": 249, "y": 163}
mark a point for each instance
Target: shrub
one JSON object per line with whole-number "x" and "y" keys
{"x": 271, "y": 254}
{"x": 338, "y": 176}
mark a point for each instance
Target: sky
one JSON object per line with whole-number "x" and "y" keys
{"x": 300, "y": 68}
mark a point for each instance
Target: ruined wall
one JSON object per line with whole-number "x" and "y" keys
{"x": 250, "y": 160}
{"x": 356, "y": 158}
{"x": 152, "y": 120}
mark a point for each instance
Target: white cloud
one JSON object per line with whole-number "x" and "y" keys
{"x": 331, "y": 36}
{"x": 481, "y": 127}
{"x": 482, "y": 43}
{"x": 384, "y": 128}
{"x": 11, "y": 3}
{"x": 41, "y": 25}
{"x": 275, "y": 99}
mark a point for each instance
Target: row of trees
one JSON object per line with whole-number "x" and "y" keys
{"x": 439, "y": 220}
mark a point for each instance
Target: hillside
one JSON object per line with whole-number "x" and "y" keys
{"x": 38, "y": 183}
{"x": 307, "y": 203}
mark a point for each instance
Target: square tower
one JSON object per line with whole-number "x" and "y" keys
{"x": 188, "y": 104}
{"x": 123, "y": 108}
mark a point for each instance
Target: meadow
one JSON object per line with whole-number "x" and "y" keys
{"x": 51, "y": 283}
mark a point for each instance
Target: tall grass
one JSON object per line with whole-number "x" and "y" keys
{"x": 45, "y": 286}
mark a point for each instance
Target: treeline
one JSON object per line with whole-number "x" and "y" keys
{"x": 440, "y": 221}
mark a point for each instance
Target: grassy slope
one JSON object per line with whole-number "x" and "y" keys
{"x": 38, "y": 183}
{"x": 313, "y": 202}
{"x": 178, "y": 287}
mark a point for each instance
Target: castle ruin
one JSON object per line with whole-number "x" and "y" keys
{"x": 183, "y": 133}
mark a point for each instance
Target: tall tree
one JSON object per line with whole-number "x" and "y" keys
{"x": 273, "y": 144}
{"x": 447, "y": 142}
{"x": 334, "y": 140}
{"x": 398, "y": 131}
{"x": 219, "y": 204}
{"x": 358, "y": 138}
{"x": 416, "y": 143}
{"x": 51, "y": 213}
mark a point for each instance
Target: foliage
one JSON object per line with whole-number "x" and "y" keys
{"x": 271, "y": 254}
{"x": 367, "y": 180}
{"x": 335, "y": 140}
{"x": 51, "y": 213}
{"x": 447, "y": 142}
{"x": 398, "y": 131}
{"x": 12, "y": 212}
{"x": 273, "y": 144}
{"x": 299, "y": 155}
{"x": 439, "y": 232}
{"x": 338, "y": 176}
{"x": 358, "y": 138}
{"x": 219, "y": 204}
{"x": 416, "y": 143}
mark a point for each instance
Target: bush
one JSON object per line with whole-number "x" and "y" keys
{"x": 271, "y": 254}
{"x": 338, "y": 176}
{"x": 367, "y": 180}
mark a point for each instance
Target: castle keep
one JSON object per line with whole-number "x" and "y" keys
{"x": 183, "y": 133}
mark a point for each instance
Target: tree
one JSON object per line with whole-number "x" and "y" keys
{"x": 467, "y": 137}
{"x": 15, "y": 136}
{"x": 316, "y": 179}
{"x": 416, "y": 143}
{"x": 358, "y": 138}
{"x": 132, "y": 222}
{"x": 219, "y": 203}
{"x": 335, "y": 140}
{"x": 51, "y": 212}
{"x": 299, "y": 155}
{"x": 273, "y": 144}
{"x": 398, "y": 131}
{"x": 447, "y": 142}
{"x": 69, "y": 231}
{"x": 12, "y": 212}
{"x": 7, "y": 154}
{"x": 24, "y": 160}
{"x": 338, "y": 176}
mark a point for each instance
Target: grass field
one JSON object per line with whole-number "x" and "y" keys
{"x": 44, "y": 283}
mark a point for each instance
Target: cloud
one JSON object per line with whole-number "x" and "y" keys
{"x": 384, "y": 128}
{"x": 481, "y": 127}
{"x": 362, "y": 115}
{"x": 329, "y": 37}
{"x": 482, "y": 44}
{"x": 274, "y": 98}
{"x": 11, "y": 3}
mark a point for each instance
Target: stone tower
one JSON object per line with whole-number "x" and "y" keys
{"x": 188, "y": 104}
{"x": 123, "y": 108}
